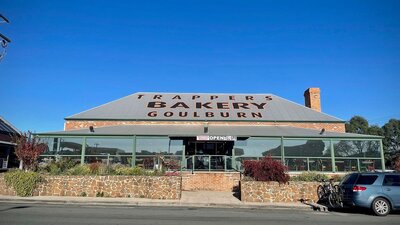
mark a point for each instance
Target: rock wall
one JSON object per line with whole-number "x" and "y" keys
{"x": 106, "y": 186}
{"x": 257, "y": 191}
{"x": 4, "y": 190}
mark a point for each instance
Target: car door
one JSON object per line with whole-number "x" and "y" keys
{"x": 391, "y": 187}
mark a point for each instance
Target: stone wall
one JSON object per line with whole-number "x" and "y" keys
{"x": 107, "y": 186}
{"x": 80, "y": 124}
{"x": 257, "y": 191}
{"x": 215, "y": 181}
{"x": 4, "y": 190}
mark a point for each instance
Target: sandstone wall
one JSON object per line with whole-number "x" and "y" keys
{"x": 108, "y": 186}
{"x": 215, "y": 181}
{"x": 257, "y": 191}
{"x": 4, "y": 190}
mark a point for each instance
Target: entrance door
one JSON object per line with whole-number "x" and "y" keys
{"x": 209, "y": 155}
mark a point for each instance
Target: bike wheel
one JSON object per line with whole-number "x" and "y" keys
{"x": 339, "y": 196}
{"x": 332, "y": 200}
{"x": 320, "y": 192}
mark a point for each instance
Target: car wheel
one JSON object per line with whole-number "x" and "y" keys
{"x": 381, "y": 207}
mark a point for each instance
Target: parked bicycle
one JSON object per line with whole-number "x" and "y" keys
{"x": 330, "y": 193}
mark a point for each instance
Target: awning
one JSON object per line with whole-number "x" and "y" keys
{"x": 188, "y": 130}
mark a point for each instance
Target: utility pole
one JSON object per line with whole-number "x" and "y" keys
{"x": 4, "y": 41}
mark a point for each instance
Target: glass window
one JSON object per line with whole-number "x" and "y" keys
{"x": 307, "y": 148}
{"x": 176, "y": 147}
{"x": 109, "y": 146}
{"x": 366, "y": 179}
{"x": 350, "y": 178}
{"x": 320, "y": 164}
{"x": 370, "y": 164}
{"x": 297, "y": 164}
{"x": 351, "y": 148}
{"x": 257, "y": 147}
{"x": 63, "y": 146}
{"x": 51, "y": 143}
{"x": 152, "y": 146}
{"x": 346, "y": 165}
{"x": 239, "y": 161}
{"x": 391, "y": 180}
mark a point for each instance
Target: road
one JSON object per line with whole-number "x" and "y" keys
{"x": 40, "y": 214}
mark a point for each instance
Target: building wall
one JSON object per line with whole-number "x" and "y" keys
{"x": 213, "y": 181}
{"x": 111, "y": 186}
{"x": 257, "y": 191}
{"x": 80, "y": 124}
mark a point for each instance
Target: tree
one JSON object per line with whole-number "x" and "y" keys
{"x": 28, "y": 149}
{"x": 358, "y": 125}
{"x": 391, "y": 143}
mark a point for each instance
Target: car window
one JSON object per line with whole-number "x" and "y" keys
{"x": 350, "y": 179}
{"x": 391, "y": 180}
{"x": 366, "y": 179}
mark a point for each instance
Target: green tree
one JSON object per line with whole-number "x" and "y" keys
{"x": 391, "y": 141}
{"x": 358, "y": 125}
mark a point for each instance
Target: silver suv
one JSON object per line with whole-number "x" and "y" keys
{"x": 379, "y": 191}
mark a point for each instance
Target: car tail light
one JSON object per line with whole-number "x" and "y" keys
{"x": 359, "y": 188}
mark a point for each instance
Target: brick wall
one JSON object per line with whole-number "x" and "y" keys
{"x": 256, "y": 191}
{"x": 110, "y": 186}
{"x": 79, "y": 124}
{"x": 216, "y": 181}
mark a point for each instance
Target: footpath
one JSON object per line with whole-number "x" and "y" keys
{"x": 188, "y": 199}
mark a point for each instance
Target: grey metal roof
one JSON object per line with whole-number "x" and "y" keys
{"x": 203, "y": 107}
{"x": 194, "y": 130}
{"x": 6, "y": 127}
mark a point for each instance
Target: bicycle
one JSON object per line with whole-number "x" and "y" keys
{"x": 330, "y": 193}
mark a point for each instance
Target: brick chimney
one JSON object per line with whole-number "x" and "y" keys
{"x": 312, "y": 99}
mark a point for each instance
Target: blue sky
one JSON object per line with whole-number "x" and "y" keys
{"x": 69, "y": 56}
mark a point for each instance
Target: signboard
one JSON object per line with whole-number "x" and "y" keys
{"x": 216, "y": 138}
{"x": 206, "y": 107}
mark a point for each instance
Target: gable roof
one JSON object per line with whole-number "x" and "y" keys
{"x": 204, "y": 107}
{"x": 6, "y": 127}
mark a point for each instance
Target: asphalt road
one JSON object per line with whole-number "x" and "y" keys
{"x": 32, "y": 214}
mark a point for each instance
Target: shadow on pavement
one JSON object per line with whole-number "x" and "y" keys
{"x": 16, "y": 207}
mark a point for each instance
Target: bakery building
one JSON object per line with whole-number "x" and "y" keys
{"x": 214, "y": 133}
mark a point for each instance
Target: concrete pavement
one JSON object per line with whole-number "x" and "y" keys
{"x": 188, "y": 199}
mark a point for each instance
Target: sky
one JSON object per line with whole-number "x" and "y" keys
{"x": 69, "y": 56}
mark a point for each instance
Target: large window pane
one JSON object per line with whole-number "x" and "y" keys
{"x": 351, "y": 148}
{"x": 370, "y": 164}
{"x": 257, "y": 147}
{"x": 320, "y": 164}
{"x": 63, "y": 146}
{"x": 152, "y": 146}
{"x": 346, "y": 165}
{"x": 109, "y": 146}
{"x": 297, "y": 164}
{"x": 176, "y": 147}
{"x": 307, "y": 148}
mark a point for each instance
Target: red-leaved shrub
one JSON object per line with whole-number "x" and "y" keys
{"x": 266, "y": 169}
